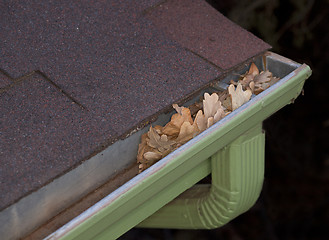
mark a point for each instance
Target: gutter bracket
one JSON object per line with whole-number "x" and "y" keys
{"x": 237, "y": 173}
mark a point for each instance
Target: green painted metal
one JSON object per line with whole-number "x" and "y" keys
{"x": 151, "y": 190}
{"x": 237, "y": 179}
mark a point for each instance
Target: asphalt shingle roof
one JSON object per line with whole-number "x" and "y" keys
{"x": 76, "y": 76}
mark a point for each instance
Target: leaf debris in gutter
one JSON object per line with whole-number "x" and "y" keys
{"x": 184, "y": 125}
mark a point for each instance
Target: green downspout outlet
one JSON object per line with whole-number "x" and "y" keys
{"x": 237, "y": 178}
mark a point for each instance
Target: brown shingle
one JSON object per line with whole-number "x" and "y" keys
{"x": 205, "y": 31}
{"x": 41, "y": 134}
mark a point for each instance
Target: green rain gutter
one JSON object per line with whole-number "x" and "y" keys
{"x": 232, "y": 150}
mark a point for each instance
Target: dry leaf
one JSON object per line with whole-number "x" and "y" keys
{"x": 238, "y": 96}
{"x": 263, "y": 81}
{"x": 249, "y": 76}
{"x": 211, "y": 104}
{"x": 227, "y": 103}
{"x": 256, "y": 81}
{"x": 210, "y": 122}
{"x": 253, "y": 70}
{"x": 201, "y": 121}
{"x": 184, "y": 112}
{"x": 159, "y": 142}
{"x": 153, "y": 147}
{"x": 195, "y": 107}
{"x": 219, "y": 114}
{"x": 251, "y": 86}
{"x": 144, "y": 159}
{"x": 152, "y": 156}
{"x": 222, "y": 96}
{"x": 263, "y": 77}
{"x": 213, "y": 112}
{"x": 141, "y": 148}
{"x": 149, "y": 158}
{"x": 173, "y": 127}
{"x": 187, "y": 132}
{"x": 158, "y": 129}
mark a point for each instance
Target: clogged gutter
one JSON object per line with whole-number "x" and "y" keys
{"x": 159, "y": 141}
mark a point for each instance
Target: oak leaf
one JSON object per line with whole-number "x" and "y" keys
{"x": 249, "y": 76}
{"x": 238, "y": 95}
{"x": 187, "y": 132}
{"x": 173, "y": 127}
{"x": 263, "y": 81}
{"x": 213, "y": 111}
{"x": 160, "y": 142}
{"x": 201, "y": 121}
{"x": 211, "y": 104}
{"x": 144, "y": 158}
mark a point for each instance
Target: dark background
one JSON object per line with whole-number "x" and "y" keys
{"x": 294, "y": 203}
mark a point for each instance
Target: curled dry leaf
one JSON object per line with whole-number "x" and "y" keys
{"x": 238, "y": 96}
{"x": 210, "y": 122}
{"x": 263, "y": 81}
{"x": 249, "y": 76}
{"x": 149, "y": 158}
{"x": 152, "y": 156}
{"x": 173, "y": 127}
{"x": 159, "y": 142}
{"x": 187, "y": 132}
{"x": 212, "y": 112}
{"x": 220, "y": 113}
{"x": 201, "y": 121}
{"x": 210, "y": 104}
{"x": 143, "y": 156}
{"x": 251, "y": 86}
{"x": 253, "y": 70}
